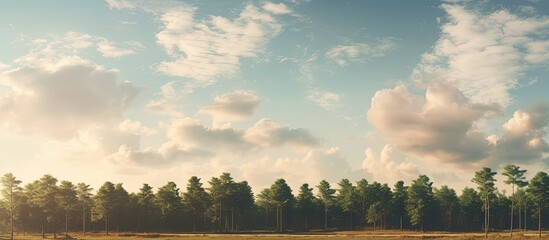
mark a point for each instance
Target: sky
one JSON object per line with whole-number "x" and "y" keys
{"x": 154, "y": 91}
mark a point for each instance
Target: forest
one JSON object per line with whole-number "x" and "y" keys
{"x": 49, "y": 206}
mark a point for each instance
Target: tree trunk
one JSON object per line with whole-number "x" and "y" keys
{"x": 266, "y": 217}
{"x": 525, "y": 215}
{"x": 325, "y": 218}
{"x": 400, "y": 222}
{"x": 11, "y": 219}
{"x": 194, "y": 221}
{"x": 66, "y": 224}
{"x": 512, "y": 206}
{"x": 539, "y": 221}
{"x": 204, "y": 228}
{"x": 351, "y": 216}
{"x": 306, "y": 222}
{"x": 107, "y": 223}
{"x": 486, "y": 216}
{"x": 519, "y": 219}
{"x": 83, "y": 220}
{"x": 43, "y": 233}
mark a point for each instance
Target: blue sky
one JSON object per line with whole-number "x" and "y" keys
{"x": 157, "y": 91}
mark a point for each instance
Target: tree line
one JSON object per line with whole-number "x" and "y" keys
{"x": 52, "y": 207}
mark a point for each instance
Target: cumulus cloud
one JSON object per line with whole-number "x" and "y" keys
{"x": 169, "y": 154}
{"x": 390, "y": 166}
{"x": 167, "y": 104}
{"x": 189, "y": 141}
{"x": 316, "y": 165}
{"x": 361, "y": 52}
{"x": 438, "y": 127}
{"x": 191, "y": 132}
{"x": 523, "y": 138}
{"x": 59, "y": 102}
{"x": 234, "y": 106}
{"x": 265, "y": 133}
{"x": 484, "y": 55}
{"x": 326, "y": 100}
{"x": 268, "y": 133}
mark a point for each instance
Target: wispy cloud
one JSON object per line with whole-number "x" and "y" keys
{"x": 344, "y": 55}
{"x": 485, "y": 54}
{"x": 326, "y": 100}
{"x": 204, "y": 50}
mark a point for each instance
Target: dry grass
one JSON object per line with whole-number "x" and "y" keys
{"x": 388, "y": 235}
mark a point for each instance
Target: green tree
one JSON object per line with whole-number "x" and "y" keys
{"x": 68, "y": 201}
{"x": 120, "y": 205}
{"x": 222, "y": 192}
{"x": 84, "y": 195}
{"x": 363, "y": 193}
{"x": 305, "y": 203}
{"x": 375, "y": 213}
{"x": 347, "y": 198}
{"x": 243, "y": 200}
{"x": 448, "y": 202}
{"x": 538, "y": 191}
{"x": 10, "y": 191}
{"x": 515, "y": 177}
{"x": 43, "y": 195}
{"x": 522, "y": 201}
{"x": 470, "y": 205}
{"x": 169, "y": 202}
{"x": 420, "y": 200}
{"x": 196, "y": 198}
{"x": 326, "y": 197}
{"x": 400, "y": 195}
{"x": 103, "y": 202}
{"x": 264, "y": 200}
{"x": 145, "y": 201}
{"x": 485, "y": 181}
{"x": 281, "y": 196}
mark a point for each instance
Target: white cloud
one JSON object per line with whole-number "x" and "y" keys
{"x": 316, "y": 165}
{"x": 131, "y": 126}
{"x": 268, "y": 133}
{"x": 361, "y": 52}
{"x": 205, "y": 50}
{"x": 3, "y": 66}
{"x": 167, "y": 104}
{"x": 523, "y": 138}
{"x": 121, "y": 4}
{"x": 326, "y": 100}
{"x": 114, "y": 50}
{"x": 274, "y": 8}
{"x": 264, "y": 134}
{"x": 438, "y": 127}
{"x": 234, "y": 106}
{"x": 62, "y": 50}
{"x": 168, "y": 155}
{"x": 59, "y": 102}
{"x": 390, "y": 166}
{"x": 191, "y": 132}
{"x": 485, "y": 54}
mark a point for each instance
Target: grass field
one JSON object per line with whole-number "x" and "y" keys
{"x": 305, "y": 236}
